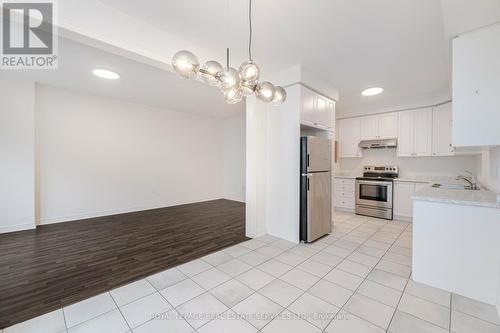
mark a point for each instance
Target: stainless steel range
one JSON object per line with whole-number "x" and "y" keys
{"x": 374, "y": 191}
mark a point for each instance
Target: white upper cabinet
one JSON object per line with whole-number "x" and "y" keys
{"x": 476, "y": 82}
{"x": 441, "y": 131}
{"x": 307, "y": 114}
{"x": 331, "y": 111}
{"x": 423, "y": 132}
{"x": 388, "y": 125}
{"x": 406, "y": 135}
{"x": 317, "y": 110}
{"x": 369, "y": 127}
{"x": 415, "y": 133}
{"x": 349, "y": 136}
{"x": 382, "y": 126}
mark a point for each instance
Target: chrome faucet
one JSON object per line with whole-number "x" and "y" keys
{"x": 469, "y": 179}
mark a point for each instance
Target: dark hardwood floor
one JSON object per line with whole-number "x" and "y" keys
{"x": 60, "y": 264}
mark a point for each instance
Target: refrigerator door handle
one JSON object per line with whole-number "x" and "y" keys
{"x": 307, "y": 184}
{"x": 308, "y": 160}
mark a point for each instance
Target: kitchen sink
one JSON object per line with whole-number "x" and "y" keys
{"x": 455, "y": 187}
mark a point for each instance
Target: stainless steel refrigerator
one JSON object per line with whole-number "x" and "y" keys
{"x": 315, "y": 188}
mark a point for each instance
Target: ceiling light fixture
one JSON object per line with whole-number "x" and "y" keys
{"x": 372, "y": 91}
{"x": 234, "y": 84}
{"x": 106, "y": 74}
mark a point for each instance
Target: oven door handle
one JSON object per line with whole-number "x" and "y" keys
{"x": 367, "y": 182}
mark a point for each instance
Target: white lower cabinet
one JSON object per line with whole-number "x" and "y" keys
{"x": 403, "y": 203}
{"x": 344, "y": 193}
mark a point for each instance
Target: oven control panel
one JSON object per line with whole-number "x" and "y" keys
{"x": 381, "y": 169}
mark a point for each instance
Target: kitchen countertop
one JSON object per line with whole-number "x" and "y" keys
{"x": 428, "y": 179}
{"x": 458, "y": 197}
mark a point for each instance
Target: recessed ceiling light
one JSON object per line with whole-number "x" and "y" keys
{"x": 372, "y": 91}
{"x": 106, "y": 74}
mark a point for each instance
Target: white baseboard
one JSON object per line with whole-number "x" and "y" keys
{"x": 18, "y": 227}
{"x": 88, "y": 215}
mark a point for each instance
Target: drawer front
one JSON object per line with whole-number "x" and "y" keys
{"x": 344, "y": 203}
{"x": 344, "y": 188}
{"x": 344, "y": 181}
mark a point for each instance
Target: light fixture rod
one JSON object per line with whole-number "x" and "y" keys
{"x": 227, "y": 57}
{"x": 250, "y": 26}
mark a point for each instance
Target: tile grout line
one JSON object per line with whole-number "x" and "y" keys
{"x": 275, "y": 278}
{"x": 397, "y": 305}
{"x": 451, "y": 310}
{"x": 345, "y": 258}
{"x": 252, "y": 267}
{"x": 64, "y": 317}
{"x": 126, "y": 322}
{"x": 366, "y": 277}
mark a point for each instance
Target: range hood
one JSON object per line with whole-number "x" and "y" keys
{"x": 374, "y": 144}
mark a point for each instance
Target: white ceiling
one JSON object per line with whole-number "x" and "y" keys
{"x": 402, "y": 46}
{"x": 139, "y": 82}
{"x": 398, "y": 45}
{"x": 465, "y": 15}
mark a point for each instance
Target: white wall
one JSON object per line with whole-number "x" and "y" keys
{"x": 99, "y": 156}
{"x": 283, "y": 167}
{"x": 234, "y": 157}
{"x": 17, "y": 155}
{"x": 439, "y": 166}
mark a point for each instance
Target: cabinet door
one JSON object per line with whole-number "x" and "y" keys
{"x": 441, "y": 131}
{"x": 403, "y": 204}
{"x": 388, "y": 125}
{"x": 405, "y": 134}
{"x": 349, "y": 131}
{"x": 369, "y": 128}
{"x": 307, "y": 114}
{"x": 423, "y": 132}
{"x": 322, "y": 115}
{"x": 331, "y": 111}
{"x": 476, "y": 78}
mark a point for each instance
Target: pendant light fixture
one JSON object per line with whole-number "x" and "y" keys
{"x": 234, "y": 84}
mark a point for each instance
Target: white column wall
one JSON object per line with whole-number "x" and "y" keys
{"x": 17, "y": 154}
{"x": 273, "y": 157}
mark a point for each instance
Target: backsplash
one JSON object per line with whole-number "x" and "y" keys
{"x": 408, "y": 166}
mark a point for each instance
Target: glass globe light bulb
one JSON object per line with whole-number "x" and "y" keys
{"x": 247, "y": 88}
{"x": 279, "y": 96}
{"x": 211, "y": 68}
{"x": 229, "y": 78}
{"x": 185, "y": 64}
{"x": 266, "y": 91}
{"x": 249, "y": 71}
{"x": 233, "y": 95}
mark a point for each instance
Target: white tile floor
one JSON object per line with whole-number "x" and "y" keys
{"x": 355, "y": 280}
